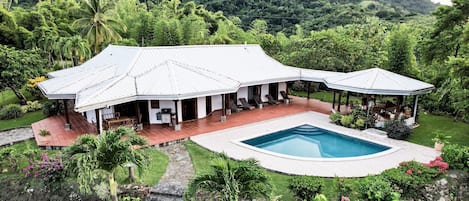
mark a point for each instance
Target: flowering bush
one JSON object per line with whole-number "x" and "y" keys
{"x": 457, "y": 156}
{"x": 438, "y": 163}
{"x": 50, "y": 170}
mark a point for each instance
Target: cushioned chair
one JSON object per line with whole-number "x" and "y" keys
{"x": 271, "y": 100}
{"x": 285, "y": 96}
{"x": 234, "y": 107}
{"x": 245, "y": 104}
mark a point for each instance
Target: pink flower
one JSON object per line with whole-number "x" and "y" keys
{"x": 438, "y": 158}
{"x": 344, "y": 198}
{"x": 409, "y": 171}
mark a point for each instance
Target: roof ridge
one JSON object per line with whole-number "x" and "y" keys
{"x": 185, "y": 46}
{"x": 118, "y": 78}
{"x": 193, "y": 69}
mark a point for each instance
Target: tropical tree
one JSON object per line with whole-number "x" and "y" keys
{"x": 96, "y": 24}
{"x": 90, "y": 155}
{"x": 16, "y": 67}
{"x": 230, "y": 180}
{"x": 401, "y": 58}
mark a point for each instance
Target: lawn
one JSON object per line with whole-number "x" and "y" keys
{"x": 8, "y": 97}
{"x": 201, "y": 157}
{"x": 423, "y": 134}
{"x": 26, "y": 120}
{"x": 325, "y": 96}
{"x": 150, "y": 175}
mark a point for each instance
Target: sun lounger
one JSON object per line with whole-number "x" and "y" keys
{"x": 245, "y": 104}
{"x": 285, "y": 96}
{"x": 271, "y": 100}
{"x": 258, "y": 101}
{"x": 234, "y": 107}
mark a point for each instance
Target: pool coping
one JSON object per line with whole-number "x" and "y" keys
{"x": 228, "y": 141}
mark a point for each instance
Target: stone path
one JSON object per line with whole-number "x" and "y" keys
{"x": 178, "y": 173}
{"x": 12, "y": 136}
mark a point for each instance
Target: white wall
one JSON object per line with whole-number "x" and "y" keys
{"x": 282, "y": 86}
{"x": 201, "y": 111}
{"x": 242, "y": 93}
{"x": 264, "y": 91}
{"x": 91, "y": 116}
{"x": 216, "y": 102}
{"x": 163, "y": 104}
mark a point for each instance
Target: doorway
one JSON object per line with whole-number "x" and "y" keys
{"x": 253, "y": 91}
{"x": 208, "y": 105}
{"x": 273, "y": 90}
{"x": 143, "y": 107}
{"x": 189, "y": 109}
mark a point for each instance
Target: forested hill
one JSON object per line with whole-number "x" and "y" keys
{"x": 282, "y": 15}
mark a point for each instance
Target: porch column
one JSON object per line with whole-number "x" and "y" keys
{"x": 223, "y": 108}
{"x": 67, "y": 118}
{"x": 228, "y": 103}
{"x": 308, "y": 85}
{"x": 347, "y": 99}
{"x": 98, "y": 121}
{"x": 333, "y": 100}
{"x": 340, "y": 101}
{"x": 416, "y": 99}
{"x": 177, "y": 126}
{"x": 137, "y": 110}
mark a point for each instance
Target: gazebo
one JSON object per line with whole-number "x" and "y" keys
{"x": 376, "y": 81}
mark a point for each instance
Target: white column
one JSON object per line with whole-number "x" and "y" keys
{"x": 100, "y": 113}
{"x": 415, "y": 105}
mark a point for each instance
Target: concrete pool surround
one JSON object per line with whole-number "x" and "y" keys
{"x": 229, "y": 142}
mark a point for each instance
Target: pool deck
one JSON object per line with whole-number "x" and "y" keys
{"x": 228, "y": 141}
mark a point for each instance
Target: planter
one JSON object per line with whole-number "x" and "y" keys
{"x": 439, "y": 146}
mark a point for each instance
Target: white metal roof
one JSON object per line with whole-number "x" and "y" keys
{"x": 317, "y": 75}
{"x": 378, "y": 81}
{"x": 121, "y": 74}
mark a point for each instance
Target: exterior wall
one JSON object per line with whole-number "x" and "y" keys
{"x": 163, "y": 104}
{"x": 216, "y": 102}
{"x": 282, "y": 86}
{"x": 242, "y": 93}
{"x": 91, "y": 115}
{"x": 264, "y": 91}
{"x": 201, "y": 111}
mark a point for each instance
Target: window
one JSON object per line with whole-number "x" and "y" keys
{"x": 155, "y": 104}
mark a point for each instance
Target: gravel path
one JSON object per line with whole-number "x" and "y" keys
{"x": 178, "y": 173}
{"x": 12, "y": 136}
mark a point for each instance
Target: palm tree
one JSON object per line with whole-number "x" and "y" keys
{"x": 76, "y": 48}
{"x": 230, "y": 180}
{"x": 96, "y": 24}
{"x": 90, "y": 155}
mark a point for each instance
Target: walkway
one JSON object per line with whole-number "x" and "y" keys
{"x": 162, "y": 134}
{"x": 228, "y": 141}
{"x": 178, "y": 173}
{"x": 12, "y": 136}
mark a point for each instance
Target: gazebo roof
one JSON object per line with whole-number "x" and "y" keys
{"x": 378, "y": 81}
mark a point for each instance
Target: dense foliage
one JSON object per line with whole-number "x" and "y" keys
{"x": 457, "y": 156}
{"x": 305, "y": 187}
{"x": 397, "y": 129}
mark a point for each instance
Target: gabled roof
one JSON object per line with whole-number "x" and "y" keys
{"x": 121, "y": 74}
{"x": 378, "y": 81}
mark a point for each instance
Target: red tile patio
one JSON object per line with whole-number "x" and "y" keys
{"x": 161, "y": 134}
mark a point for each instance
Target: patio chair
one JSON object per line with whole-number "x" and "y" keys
{"x": 245, "y": 104}
{"x": 271, "y": 100}
{"x": 258, "y": 101}
{"x": 285, "y": 96}
{"x": 234, "y": 107}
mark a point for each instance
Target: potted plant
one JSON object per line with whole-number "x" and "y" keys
{"x": 440, "y": 139}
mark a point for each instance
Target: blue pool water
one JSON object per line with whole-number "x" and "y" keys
{"x": 312, "y": 142}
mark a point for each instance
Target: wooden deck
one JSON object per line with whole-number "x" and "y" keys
{"x": 163, "y": 134}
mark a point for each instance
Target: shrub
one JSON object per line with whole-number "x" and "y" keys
{"x": 298, "y": 86}
{"x": 419, "y": 171}
{"x": 305, "y": 187}
{"x": 31, "y": 106}
{"x": 377, "y": 188}
{"x": 335, "y": 117}
{"x": 457, "y": 156}
{"x": 346, "y": 120}
{"x": 438, "y": 163}
{"x": 51, "y": 109}
{"x": 403, "y": 181}
{"x": 11, "y": 111}
{"x": 360, "y": 123}
{"x": 397, "y": 130}
{"x": 32, "y": 86}
{"x": 44, "y": 132}
{"x": 50, "y": 170}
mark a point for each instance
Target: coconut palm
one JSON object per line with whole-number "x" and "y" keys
{"x": 91, "y": 155}
{"x": 96, "y": 24}
{"x": 230, "y": 180}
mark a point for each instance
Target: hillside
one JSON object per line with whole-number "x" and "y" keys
{"x": 282, "y": 15}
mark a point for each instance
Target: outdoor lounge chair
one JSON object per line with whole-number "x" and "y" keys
{"x": 234, "y": 107}
{"x": 258, "y": 101}
{"x": 271, "y": 100}
{"x": 285, "y": 96}
{"x": 245, "y": 104}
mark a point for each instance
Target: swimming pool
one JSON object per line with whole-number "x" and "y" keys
{"x": 312, "y": 142}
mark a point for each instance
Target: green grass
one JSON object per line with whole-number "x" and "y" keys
{"x": 423, "y": 134}
{"x": 8, "y": 97}
{"x": 151, "y": 174}
{"x": 26, "y": 120}
{"x": 201, "y": 157}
